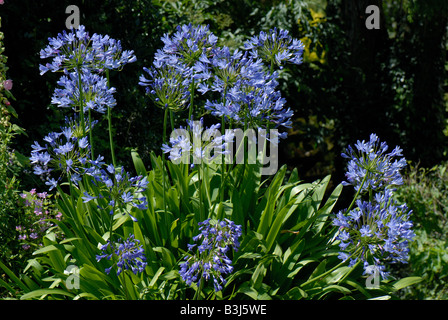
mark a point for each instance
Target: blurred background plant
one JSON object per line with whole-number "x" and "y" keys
{"x": 10, "y": 167}
{"x": 33, "y": 215}
{"x": 426, "y": 193}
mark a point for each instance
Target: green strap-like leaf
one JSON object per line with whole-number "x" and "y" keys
{"x": 43, "y": 292}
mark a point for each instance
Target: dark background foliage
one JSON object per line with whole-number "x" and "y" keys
{"x": 353, "y": 81}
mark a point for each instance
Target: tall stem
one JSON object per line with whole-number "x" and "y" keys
{"x": 81, "y": 104}
{"x": 190, "y": 109}
{"x": 111, "y": 223}
{"x": 197, "y": 295}
{"x": 223, "y": 166}
{"x": 165, "y": 118}
{"x": 91, "y": 136}
{"x": 109, "y": 121}
{"x": 201, "y": 200}
{"x": 357, "y": 193}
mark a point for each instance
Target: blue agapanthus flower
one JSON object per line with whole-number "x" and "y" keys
{"x": 129, "y": 255}
{"x": 76, "y": 49}
{"x": 210, "y": 260}
{"x": 196, "y": 144}
{"x": 63, "y": 153}
{"x": 168, "y": 86}
{"x": 374, "y": 229}
{"x": 240, "y": 88}
{"x": 96, "y": 95}
{"x": 249, "y": 94}
{"x": 176, "y": 69}
{"x": 375, "y": 232}
{"x": 186, "y": 44}
{"x": 120, "y": 191}
{"x": 371, "y": 167}
{"x": 275, "y": 47}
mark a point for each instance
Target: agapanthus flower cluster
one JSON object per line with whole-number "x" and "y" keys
{"x": 76, "y": 50}
{"x": 127, "y": 255}
{"x": 197, "y": 144}
{"x": 167, "y": 86}
{"x": 65, "y": 153}
{"x": 248, "y": 92}
{"x": 377, "y": 230}
{"x": 210, "y": 260}
{"x": 242, "y": 89}
{"x": 370, "y": 167}
{"x": 96, "y": 95}
{"x": 188, "y": 43}
{"x": 34, "y": 222}
{"x": 275, "y": 46}
{"x": 117, "y": 190}
{"x": 174, "y": 68}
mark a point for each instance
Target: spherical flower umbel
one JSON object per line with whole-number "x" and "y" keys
{"x": 76, "y": 50}
{"x": 96, "y": 95}
{"x": 370, "y": 167}
{"x": 130, "y": 255}
{"x": 121, "y": 191}
{"x": 187, "y": 43}
{"x": 168, "y": 86}
{"x": 65, "y": 152}
{"x": 276, "y": 47}
{"x": 198, "y": 144}
{"x": 377, "y": 231}
{"x": 248, "y": 93}
{"x": 211, "y": 260}
{"x": 177, "y": 66}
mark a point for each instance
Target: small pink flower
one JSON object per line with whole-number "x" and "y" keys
{"x": 7, "y": 84}
{"x": 2, "y": 1}
{"x": 42, "y": 195}
{"x": 33, "y": 191}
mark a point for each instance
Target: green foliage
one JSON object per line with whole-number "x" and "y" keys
{"x": 426, "y": 193}
{"x": 286, "y": 250}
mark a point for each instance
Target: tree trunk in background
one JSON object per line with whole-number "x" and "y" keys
{"x": 370, "y": 84}
{"x": 427, "y": 115}
{"x": 371, "y": 101}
